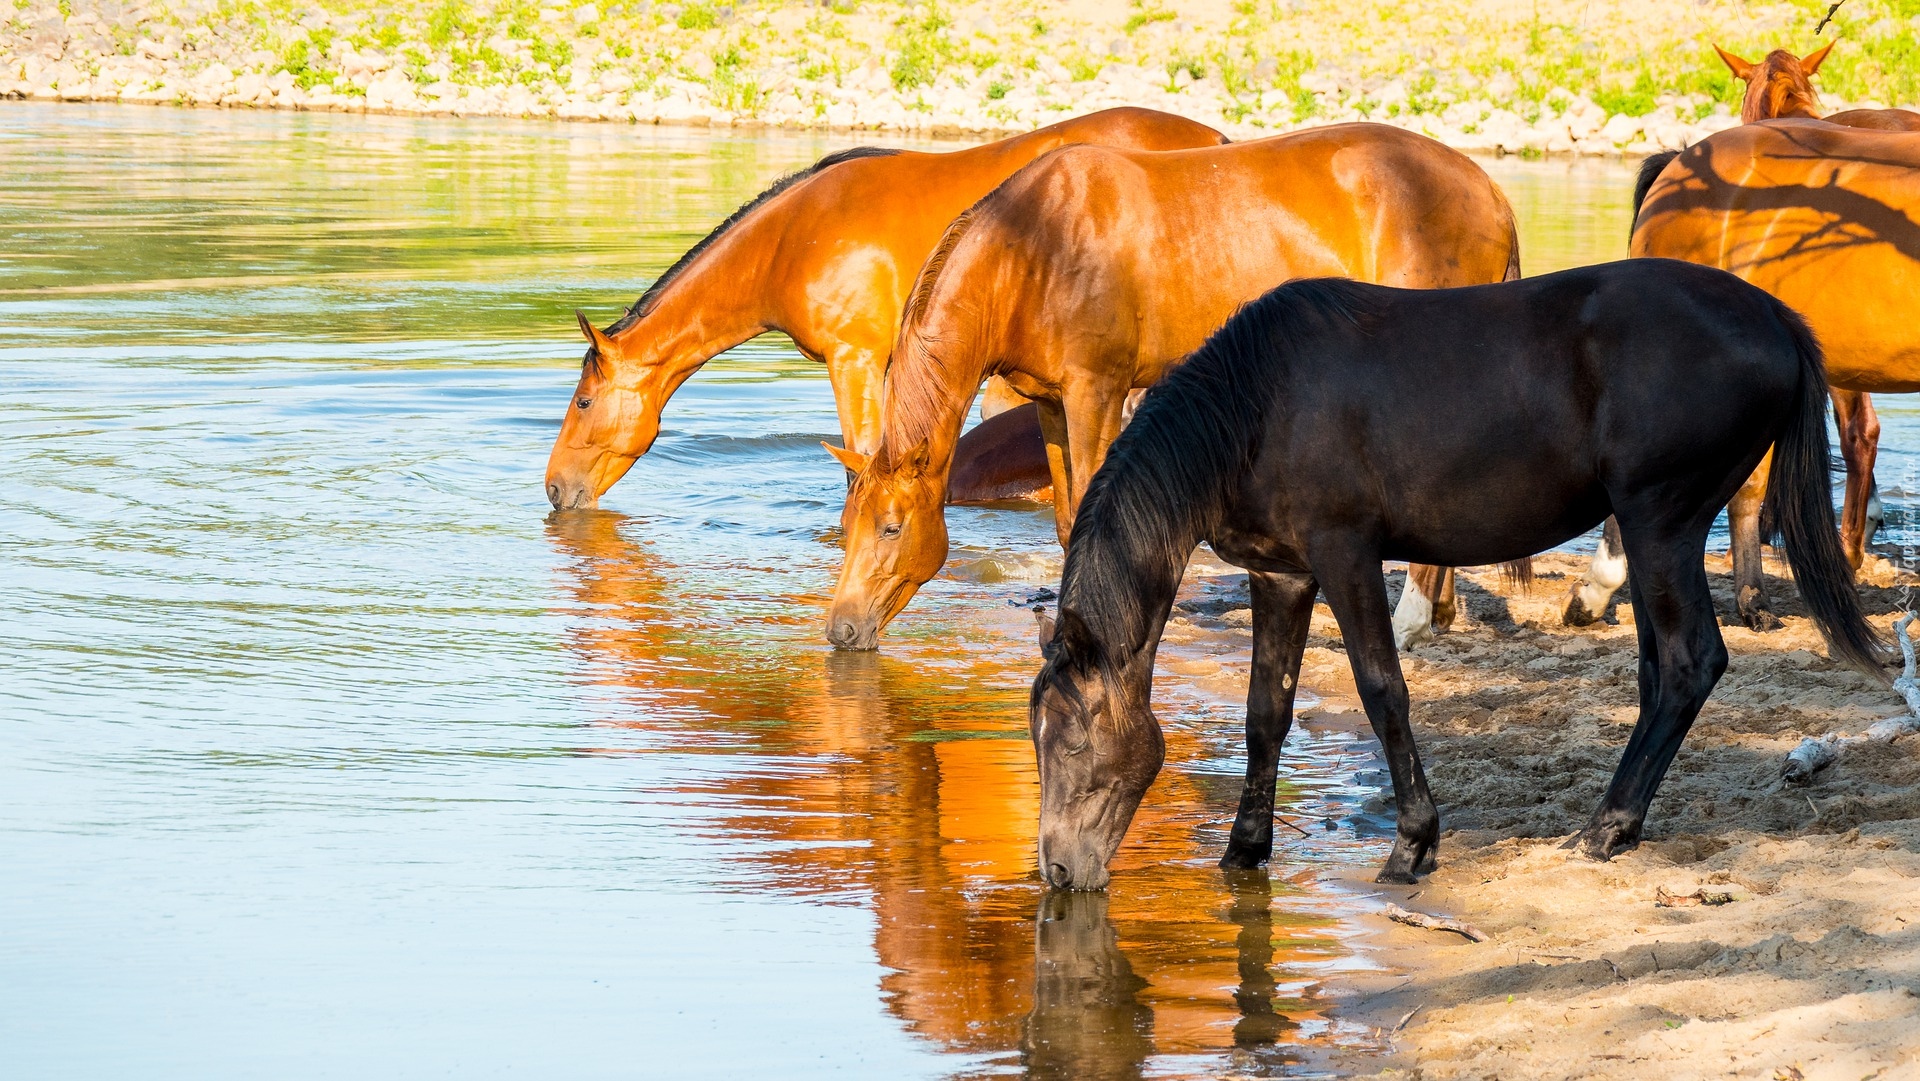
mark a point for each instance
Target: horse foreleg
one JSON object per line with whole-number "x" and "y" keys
{"x": 1749, "y": 572}
{"x": 1681, "y": 657}
{"x": 1859, "y": 426}
{"x": 1053, "y": 428}
{"x": 1358, "y": 596}
{"x": 1092, "y": 422}
{"x": 1426, "y": 605}
{"x": 997, "y": 397}
{"x": 1605, "y": 575}
{"x": 1282, "y": 611}
{"x": 857, "y": 375}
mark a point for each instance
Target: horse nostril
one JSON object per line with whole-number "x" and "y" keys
{"x": 1057, "y": 876}
{"x": 553, "y": 495}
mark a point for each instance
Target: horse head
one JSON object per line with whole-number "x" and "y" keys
{"x": 1098, "y": 748}
{"x": 1779, "y": 86}
{"x": 895, "y": 529}
{"x": 611, "y": 421}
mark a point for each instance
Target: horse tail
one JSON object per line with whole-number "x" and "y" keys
{"x": 1650, "y": 171}
{"x": 1513, "y": 236}
{"x": 1798, "y": 508}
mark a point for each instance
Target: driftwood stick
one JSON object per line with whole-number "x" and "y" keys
{"x": 1433, "y": 923}
{"x": 1816, "y": 753}
{"x": 1828, "y": 17}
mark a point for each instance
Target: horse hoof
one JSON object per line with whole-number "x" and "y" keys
{"x": 1243, "y": 859}
{"x": 1592, "y": 846}
{"x": 1761, "y": 620}
{"x": 1577, "y": 614}
{"x": 1396, "y": 878}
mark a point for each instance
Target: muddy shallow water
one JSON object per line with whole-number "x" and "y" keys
{"x": 328, "y": 749}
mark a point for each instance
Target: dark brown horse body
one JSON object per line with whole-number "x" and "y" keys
{"x": 1647, "y": 389}
{"x": 1093, "y": 270}
{"x": 826, "y": 256}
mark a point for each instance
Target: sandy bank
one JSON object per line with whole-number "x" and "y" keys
{"x": 1813, "y": 966}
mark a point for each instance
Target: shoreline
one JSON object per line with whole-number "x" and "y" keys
{"x": 1607, "y": 78}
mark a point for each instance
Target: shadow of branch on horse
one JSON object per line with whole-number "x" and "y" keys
{"x": 1647, "y": 389}
{"x": 1092, "y": 271}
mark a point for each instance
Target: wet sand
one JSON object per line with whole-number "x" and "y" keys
{"x": 1814, "y": 965}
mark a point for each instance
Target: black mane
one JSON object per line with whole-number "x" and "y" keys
{"x": 647, "y": 299}
{"x": 1168, "y": 478}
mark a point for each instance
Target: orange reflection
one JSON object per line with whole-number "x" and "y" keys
{"x": 903, "y": 781}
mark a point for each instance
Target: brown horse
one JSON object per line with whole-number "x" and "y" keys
{"x": 1091, "y": 271}
{"x": 1826, "y": 218}
{"x": 825, "y": 255}
{"x": 1780, "y": 87}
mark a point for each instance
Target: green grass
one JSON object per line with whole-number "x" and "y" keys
{"x": 922, "y": 49}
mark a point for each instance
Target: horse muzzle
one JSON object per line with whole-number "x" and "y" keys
{"x": 571, "y": 495}
{"x": 1072, "y": 865}
{"x": 862, "y": 633}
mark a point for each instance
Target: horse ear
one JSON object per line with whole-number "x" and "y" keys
{"x": 600, "y": 341}
{"x": 1810, "y": 63}
{"x": 915, "y": 463}
{"x": 854, "y": 460}
{"x": 1741, "y": 69}
{"x": 1049, "y": 647}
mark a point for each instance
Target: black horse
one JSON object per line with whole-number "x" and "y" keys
{"x": 1331, "y": 425}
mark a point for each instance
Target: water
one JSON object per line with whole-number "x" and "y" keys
{"x": 325, "y": 750}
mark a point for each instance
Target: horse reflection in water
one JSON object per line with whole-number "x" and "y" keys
{"x": 846, "y": 778}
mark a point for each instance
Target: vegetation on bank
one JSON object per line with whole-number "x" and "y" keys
{"x": 1260, "y": 63}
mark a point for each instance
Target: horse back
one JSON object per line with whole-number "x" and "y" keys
{"x": 1824, "y": 217}
{"x": 1481, "y": 424}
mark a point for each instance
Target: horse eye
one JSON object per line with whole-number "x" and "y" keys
{"x": 584, "y": 402}
{"x": 890, "y": 532}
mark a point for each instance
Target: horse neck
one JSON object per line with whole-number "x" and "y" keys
{"x": 931, "y": 384}
{"x": 716, "y": 302}
{"x": 1780, "y": 96}
{"x": 1124, "y": 588}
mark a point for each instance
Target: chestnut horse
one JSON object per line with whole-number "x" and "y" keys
{"x": 1780, "y": 87}
{"x": 1648, "y": 389}
{"x": 1091, "y": 271}
{"x": 1827, "y": 218}
{"x": 826, "y": 256}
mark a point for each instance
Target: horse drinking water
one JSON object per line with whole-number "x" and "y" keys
{"x": 1330, "y": 425}
{"x": 1091, "y": 271}
{"x": 826, "y": 256}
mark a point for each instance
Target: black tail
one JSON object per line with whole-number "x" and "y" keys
{"x": 1799, "y": 508}
{"x": 1650, "y": 171}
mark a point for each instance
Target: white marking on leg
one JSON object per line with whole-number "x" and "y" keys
{"x": 1607, "y": 573}
{"x": 1876, "y": 514}
{"x": 1412, "y": 617}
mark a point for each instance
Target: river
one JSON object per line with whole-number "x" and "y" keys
{"x": 326, "y": 750}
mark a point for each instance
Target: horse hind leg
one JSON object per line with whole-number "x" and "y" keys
{"x": 1750, "y": 602}
{"x": 1426, "y": 606}
{"x": 1282, "y": 612}
{"x": 1859, "y": 426}
{"x": 1673, "y": 612}
{"x": 1605, "y": 575}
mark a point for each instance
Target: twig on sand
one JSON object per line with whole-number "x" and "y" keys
{"x": 1665, "y": 898}
{"x": 1408, "y": 1017}
{"x": 1433, "y": 923}
{"x": 1817, "y": 753}
{"x": 1828, "y": 17}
